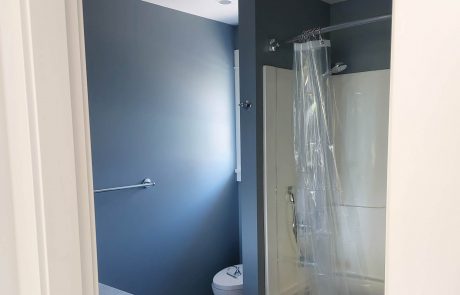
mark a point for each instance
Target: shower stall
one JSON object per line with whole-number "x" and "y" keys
{"x": 325, "y": 172}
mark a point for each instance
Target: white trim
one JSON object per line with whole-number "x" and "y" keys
{"x": 46, "y": 137}
{"x": 83, "y": 160}
{"x": 18, "y": 147}
{"x": 237, "y": 115}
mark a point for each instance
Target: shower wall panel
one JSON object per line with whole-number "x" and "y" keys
{"x": 361, "y": 141}
{"x": 360, "y": 137}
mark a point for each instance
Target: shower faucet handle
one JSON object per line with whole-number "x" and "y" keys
{"x": 290, "y": 195}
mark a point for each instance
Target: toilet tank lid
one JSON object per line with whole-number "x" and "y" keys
{"x": 222, "y": 280}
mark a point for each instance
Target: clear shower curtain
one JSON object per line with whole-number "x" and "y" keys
{"x": 326, "y": 256}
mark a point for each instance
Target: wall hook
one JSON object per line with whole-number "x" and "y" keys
{"x": 245, "y": 105}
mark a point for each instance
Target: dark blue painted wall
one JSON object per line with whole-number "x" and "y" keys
{"x": 259, "y": 21}
{"x": 162, "y": 106}
{"x": 249, "y": 207}
{"x": 364, "y": 48}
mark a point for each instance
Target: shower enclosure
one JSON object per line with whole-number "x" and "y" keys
{"x": 325, "y": 176}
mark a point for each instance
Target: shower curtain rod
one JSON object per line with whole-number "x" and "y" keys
{"x": 274, "y": 44}
{"x": 347, "y": 25}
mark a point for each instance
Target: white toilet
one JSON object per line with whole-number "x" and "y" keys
{"x": 229, "y": 281}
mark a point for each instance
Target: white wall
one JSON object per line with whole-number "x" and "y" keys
{"x": 423, "y": 219}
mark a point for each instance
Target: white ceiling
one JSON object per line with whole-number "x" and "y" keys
{"x": 210, "y": 9}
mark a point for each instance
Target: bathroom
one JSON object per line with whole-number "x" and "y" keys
{"x": 225, "y": 147}
{"x": 180, "y": 137}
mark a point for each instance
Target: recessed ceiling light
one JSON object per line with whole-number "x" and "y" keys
{"x": 224, "y": 2}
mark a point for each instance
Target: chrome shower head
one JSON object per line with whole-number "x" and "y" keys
{"x": 338, "y": 68}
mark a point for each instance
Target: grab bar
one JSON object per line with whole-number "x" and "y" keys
{"x": 146, "y": 183}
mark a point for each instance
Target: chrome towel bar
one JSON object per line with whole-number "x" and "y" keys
{"x": 146, "y": 183}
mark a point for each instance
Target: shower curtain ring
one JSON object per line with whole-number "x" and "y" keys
{"x": 321, "y": 41}
{"x": 304, "y": 36}
{"x": 314, "y": 34}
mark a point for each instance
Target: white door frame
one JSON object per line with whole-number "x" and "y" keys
{"x": 45, "y": 139}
